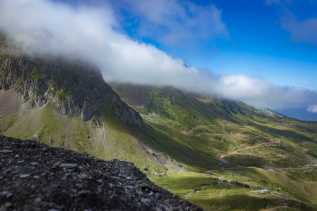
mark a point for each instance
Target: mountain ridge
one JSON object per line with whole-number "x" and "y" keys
{"x": 76, "y": 89}
{"x": 67, "y": 103}
{"x": 268, "y": 153}
{"x": 213, "y": 152}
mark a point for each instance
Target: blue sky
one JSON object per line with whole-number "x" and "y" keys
{"x": 257, "y": 43}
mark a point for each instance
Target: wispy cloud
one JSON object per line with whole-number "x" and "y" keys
{"x": 312, "y": 109}
{"x": 302, "y": 30}
{"x": 177, "y": 21}
{"x": 47, "y": 28}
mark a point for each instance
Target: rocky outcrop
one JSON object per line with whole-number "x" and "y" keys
{"x": 36, "y": 177}
{"x": 9, "y": 102}
{"x": 73, "y": 87}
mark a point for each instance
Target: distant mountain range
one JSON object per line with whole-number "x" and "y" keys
{"x": 299, "y": 113}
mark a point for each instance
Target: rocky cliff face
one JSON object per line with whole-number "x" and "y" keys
{"x": 36, "y": 177}
{"x": 73, "y": 87}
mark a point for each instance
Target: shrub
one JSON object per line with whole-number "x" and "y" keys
{"x": 35, "y": 75}
{"x": 62, "y": 94}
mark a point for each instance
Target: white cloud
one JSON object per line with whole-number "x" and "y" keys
{"x": 46, "y": 28}
{"x": 301, "y": 30}
{"x": 312, "y": 109}
{"x": 262, "y": 93}
{"x": 177, "y": 21}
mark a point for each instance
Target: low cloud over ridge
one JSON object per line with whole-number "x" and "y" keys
{"x": 47, "y": 28}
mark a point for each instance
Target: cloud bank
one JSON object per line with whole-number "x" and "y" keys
{"x": 47, "y": 28}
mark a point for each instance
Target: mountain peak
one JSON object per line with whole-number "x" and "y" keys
{"x": 73, "y": 87}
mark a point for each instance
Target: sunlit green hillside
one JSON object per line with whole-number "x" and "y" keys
{"x": 260, "y": 159}
{"x": 219, "y": 154}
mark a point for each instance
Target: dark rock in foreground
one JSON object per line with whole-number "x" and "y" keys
{"x": 36, "y": 177}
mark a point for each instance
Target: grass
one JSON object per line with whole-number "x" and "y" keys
{"x": 112, "y": 140}
{"x": 243, "y": 189}
{"x": 109, "y": 141}
{"x": 219, "y": 155}
{"x": 260, "y": 150}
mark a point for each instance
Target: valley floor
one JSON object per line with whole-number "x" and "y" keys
{"x": 246, "y": 188}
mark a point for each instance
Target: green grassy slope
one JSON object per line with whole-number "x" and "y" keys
{"x": 93, "y": 114}
{"x": 231, "y": 132}
{"x": 220, "y": 154}
{"x": 244, "y": 189}
{"x": 260, "y": 160}
{"x": 109, "y": 140}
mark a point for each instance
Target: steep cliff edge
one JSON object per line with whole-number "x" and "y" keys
{"x": 73, "y": 87}
{"x": 67, "y": 103}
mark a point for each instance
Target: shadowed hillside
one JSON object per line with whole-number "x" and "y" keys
{"x": 67, "y": 103}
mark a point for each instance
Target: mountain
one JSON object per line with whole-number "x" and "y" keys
{"x": 261, "y": 159}
{"x": 71, "y": 86}
{"x": 38, "y": 177}
{"x": 299, "y": 113}
{"x": 225, "y": 130}
{"x": 219, "y": 154}
{"x": 66, "y": 103}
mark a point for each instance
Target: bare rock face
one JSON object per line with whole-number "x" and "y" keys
{"x": 9, "y": 102}
{"x": 36, "y": 177}
{"x": 72, "y": 87}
